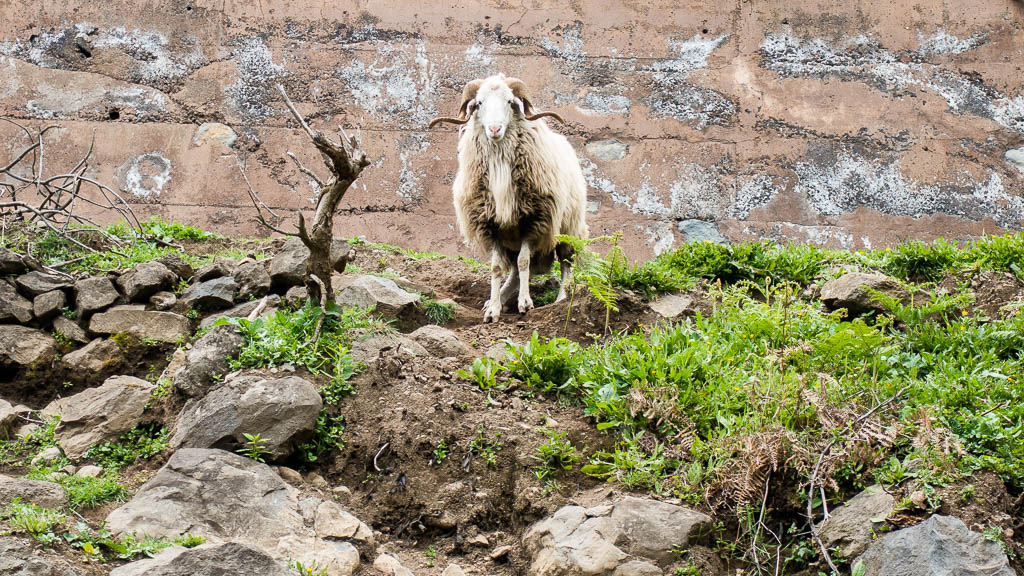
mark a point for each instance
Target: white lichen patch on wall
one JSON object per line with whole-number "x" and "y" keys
{"x": 673, "y": 95}
{"x": 155, "y": 61}
{"x": 411, "y": 175}
{"x": 660, "y": 236}
{"x": 257, "y": 72}
{"x": 145, "y": 176}
{"x": 568, "y": 49}
{"x": 752, "y": 192}
{"x": 399, "y": 86}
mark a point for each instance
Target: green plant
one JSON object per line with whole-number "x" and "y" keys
{"x": 140, "y": 443}
{"x": 440, "y": 452}
{"x": 254, "y": 447}
{"x": 439, "y": 313}
{"x": 557, "y": 454}
{"x": 328, "y": 434}
{"x": 37, "y": 521}
{"x": 431, "y": 554}
{"x": 483, "y": 371}
{"x": 485, "y": 447}
{"x": 313, "y": 569}
{"x": 596, "y": 272}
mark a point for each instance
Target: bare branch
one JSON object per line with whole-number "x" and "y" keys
{"x": 295, "y": 113}
{"x": 261, "y": 206}
{"x": 307, "y": 171}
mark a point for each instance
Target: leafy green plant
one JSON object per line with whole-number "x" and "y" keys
{"x": 483, "y": 371}
{"x": 485, "y": 447}
{"x": 254, "y": 448}
{"x": 36, "y": 521}
{"x": 140, "y": 443}
{"x": 440, "y": 452}
{"x": 439, "y": 313}
{"x": 313, "y": 569}
{"x": 594, "y": 271}
{"x": 556, "y": 455}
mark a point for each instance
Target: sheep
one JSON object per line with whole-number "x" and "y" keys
{"x": 518, "y": 186}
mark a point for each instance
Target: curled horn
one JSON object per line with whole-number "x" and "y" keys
{"x": 519, "y": 91}
{"x": 468, "y": 93}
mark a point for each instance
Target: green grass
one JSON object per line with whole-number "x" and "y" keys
{"x": 439, "y": 313}
{"x": 36, "y": 521}
{"x": 140, "y": 443}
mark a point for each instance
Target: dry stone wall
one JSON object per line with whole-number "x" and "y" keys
{"x": 852, "y": 124}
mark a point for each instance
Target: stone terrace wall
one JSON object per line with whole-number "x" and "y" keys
{"x": 852, "y": 124}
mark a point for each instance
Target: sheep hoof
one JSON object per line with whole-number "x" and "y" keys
{"x": 492, "y": 314}
{"x": 525, "y": 305}
{"x": 487, "y": 305}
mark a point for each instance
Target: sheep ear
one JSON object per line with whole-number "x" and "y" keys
{"x": 468, "y": 94}
{"x": 519, "y": 91}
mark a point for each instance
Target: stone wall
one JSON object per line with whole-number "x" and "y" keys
{"x": 851, "y": 124}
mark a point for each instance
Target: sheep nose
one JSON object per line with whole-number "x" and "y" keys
{"x": 494, "y": 130}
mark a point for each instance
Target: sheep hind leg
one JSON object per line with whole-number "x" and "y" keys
{"x": 565, "y": 256}
{"x": 508, "y": 289}
{"x": 492, "y": 311}
{"x": 525, "y": 302}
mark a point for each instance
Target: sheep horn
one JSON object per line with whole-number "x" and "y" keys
{"x": 540, "y": 115}
{"x": 442, "y": 119}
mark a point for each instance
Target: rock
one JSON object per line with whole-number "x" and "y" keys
{"x": 500, "y": 552}
{"x": 210, "y": 559}
{"x": 389, "y": 565}
{"x": 97, "y": 358}
{"x": 219, "y": 268}
{"x": 146, "y": 279}
{"x": 637, "y": 568}
{"x": 368, "y": 352}
{"x": 850, "y": 291}
{"x": 48, "y": 305}
{"x": 212, "y": 294}
{"x": 576, "y": 540}
{"x": 282, "y": 411}
{"x": 453, "y": 570}
{"x": 1015, "y": 156}
{"x": 210, "y": 132}
{"x": 478, "y": 540}
{"x": 317, "y": 481}
{"x": 99, "y": 414}
{"x": 45, "y": 494}
{"x": 47, "y": 456}
{"x": 380, "y": 294}
{"x": 13, "y": 306}
{"x": 611, "y": 149}
{"x": 700, "y": 231}
{"x": 163, "y": 300}
{"x": 18, "y": 557}
{"x": 672, "y": 306}
{"x": 289, "y": 475}
{"x": 70, "y": 330}
{"x": 334, "y": 523}
{"x": 252, "y": 279}
{"x": 21, "y": 346}
{"x": 8, "y": 418}
{"x": 296, "y": 295}
{"x": 288, "y": 267}
{"x": 440, "y": 341}
{"x": 11, "y": 262}
{"x": 226, "y": 497}
{"x": 210, "y": 357}
{"x": 852, "y": 525}
{"x": 89, "y": 472}
{"x": 176, "y": 265}
{"x": 941, "y": 545}
{"x": 35, "y": 283}
{"x": 145, "y": 324}
{"x": 94, "y": 294}
{"x": 243, "y": 310}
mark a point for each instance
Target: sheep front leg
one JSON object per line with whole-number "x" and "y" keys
{"x": 493, "y": 310}
{"x": 525, "y": 302}
{"x": 566, "y": 266}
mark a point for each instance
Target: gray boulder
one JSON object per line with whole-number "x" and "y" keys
{"x": 18, "y": 557}
{"x": 673, "y": 306}
{"x": 11, "y": 262}
{"x": 213, "y": 559}
{"x": 253, "y": 279}
{"x": 9, "y": 418}
{"x": 212, "y": 294}
{"x": 70, "y": 330}
{"x": 852, "y": 525}
{"x": 94, "y": 294}
{"x": 243, "y": 310}
{"x": 941, "y": 545}
{"x": 226, "y": 497}
{"x": 163, "y": 300}
{"x": 99, "y": 414}
{"x": 380, "y": 294}
{"x": 176, "y": 265}
{"x": 145, "y": 324}
{"x": 440, "y": 341}
{"x": 296, "y": 295}
{"x": 637, "y": 532}
{"x": 146, "y": 279}
{"x": 35, "y": 283}
{"x": 13, "y": 306}
{"x": 853, "y": 292}
{"x": 21, "y": 346}
{"x": 45, "y": 494}
{"x": 288, "y": 267}
{"x": 97, "y": 358}
{"x": 282, "y": 411}
{"x": 48, "y": 305}
{"x": 219, "y": 268}
{"x": 209, "y": 357}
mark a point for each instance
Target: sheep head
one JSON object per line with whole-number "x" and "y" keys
{"x": 494, "y": 102}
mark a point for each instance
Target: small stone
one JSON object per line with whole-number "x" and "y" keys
{"x": 21, "y": 346}
{"x": 253, "y": 280}
{"x": 97, "y": 358}
{"x": 380, "y": 294}
{"x": 212, "y": 294}
{"x": 47, "y": 456}
{"x": 45, "y": 494}
{"x": 163, "y": 300}
{"x": 89, "y": 471}
{"x": 701, "y": 231}
{"x": 478, "y": 540}
{"x": 35, "y": 283}
{"x": 70, "y": 330}
{"x": 243, "y": 310}
{"x": 159, "y": 326}
{"x": 389, "y": 565}
{"x": 342, "y": 490}
{"x": 94, "y": 294}
{"x": 177, "y": 265}
{"x": 217, "y": 269}
{"x": 11, "y": 262}
{"x": 69, "y": 470}
{"x": 453, "y": 570}
{"x": 289, "y": 475}
{"x": 13, "y": 306}
{"x": 146, "y": 279}
{"x": 317, "y": 481}
{"x": 296, "y": 295}
{"x": 500, "y": 552}
{"x": 673, "y": 306}
{"x": 48, "y": 305}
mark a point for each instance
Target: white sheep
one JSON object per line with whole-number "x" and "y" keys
{"x": 519, "y": 185}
